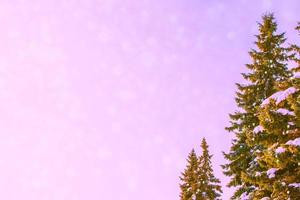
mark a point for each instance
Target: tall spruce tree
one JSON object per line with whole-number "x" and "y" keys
{"x": 209, "y": 185}
{"x": 268, "y": 66}
{"x": 280, "y": 119}
{"x": 190, "y": 178}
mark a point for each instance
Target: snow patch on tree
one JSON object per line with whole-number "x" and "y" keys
{"x": 296, "y": 185}
{"x": 194, "y": 197}
{"x": 296, "y": 75}
{"x": 244, "y": 196}
{"x": 239, "y": 121}
{"x": 271, "y": 172}
{"x": 295, "y": 142}
{"x": 258, "y": 129}
{"x": 291, "y": 123}
{"x": 280, "y": 150}
{"x": 241, "y": 110}
{"x": 280, "y": 96}
{"x": 284, "y": 111}
{"x": 257, "y": 173}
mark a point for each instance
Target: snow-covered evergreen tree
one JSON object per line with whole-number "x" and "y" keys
{"x": 267, "y": 68}
{"x": 280, "y": 119}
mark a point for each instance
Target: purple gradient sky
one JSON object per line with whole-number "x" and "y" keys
{"x": 103, "y": 100}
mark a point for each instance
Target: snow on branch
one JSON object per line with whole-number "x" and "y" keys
{"x": 279, "y": 96}
{"x": 280, "y": 150}
{"x": 296, "y": 75}
{"x": 271, "y": 172}
{"x": 244, "y": 196}
{"x": 297, "y": 185}
{"x": 295, "y": 142}
{"x": 284, "y": 111}
{"x": 258, "y": 129}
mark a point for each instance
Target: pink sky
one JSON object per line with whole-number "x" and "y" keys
{"x": 103, "y": 100}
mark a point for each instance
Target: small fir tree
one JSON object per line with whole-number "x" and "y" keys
{"x": 198, "y": 181}
{"x": 190, "y": 179}
{"x": 209, "y": 185}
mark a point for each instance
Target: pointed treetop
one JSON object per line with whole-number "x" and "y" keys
{"x": 204, "y": 143}
{"x": 269, "y": 24}
{"x": 192, "y": 154}
{"x": 204, "y": 146}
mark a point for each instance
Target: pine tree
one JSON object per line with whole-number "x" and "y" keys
{"x": 209, "y": 184}
{"x": 280, "y": 119}
{"x": 198, "y": 181}
{"x": 268, "y": 66}
{"x": 190, "y": 179}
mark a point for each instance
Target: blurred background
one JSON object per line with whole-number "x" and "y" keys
{"x": 104, "y": 99}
